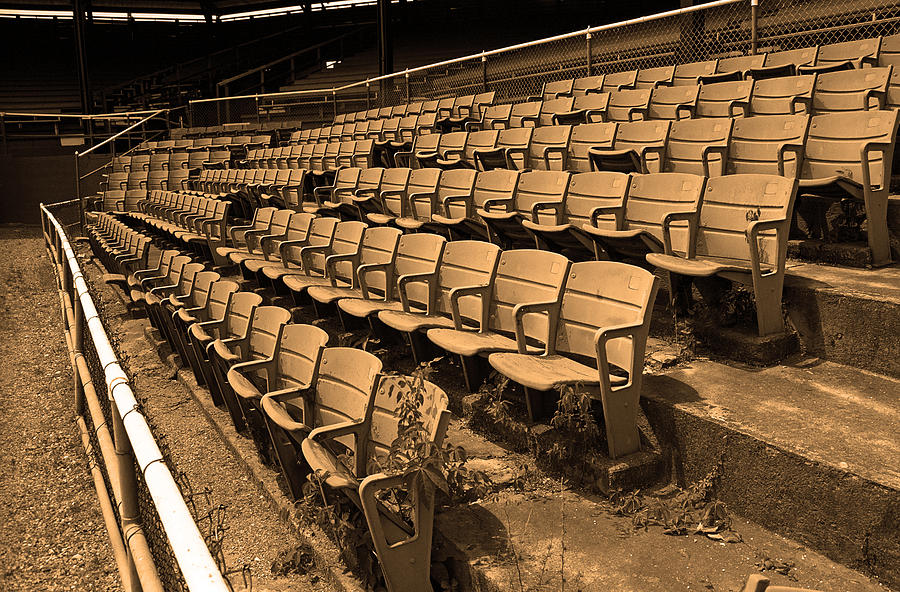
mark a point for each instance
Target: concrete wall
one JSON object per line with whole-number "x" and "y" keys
{"x": 26, "y": 181}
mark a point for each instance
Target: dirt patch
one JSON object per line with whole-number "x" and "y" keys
{"x": 52, "y": 535}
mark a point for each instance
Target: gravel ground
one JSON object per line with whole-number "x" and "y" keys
{"x": 52, "y": 535}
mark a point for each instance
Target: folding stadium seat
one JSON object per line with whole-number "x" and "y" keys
{"x": 629, "y": 152}
{"x": 195, "y": 297}
{"x": 262, "y": 219}
{"x": 394, "y": 204}
{"x": 784, "y": 95}
{"x": 373, "y": 277}
{"x": 553, "y": 90}
{"x": 259, "y": 243}
{"x": 420, "y": 207}
{"x": 430, "y": 106}
{"x": 291, "y": 370}
{"x": 177, "y": 160}
{"x": 735, "y": 68}
{"x": 587, "y": 108}
{"x": 287, "y": 191}
{"x": 652, "y": 200}
{"x": 527, "y": 281}
{"x": 851, "y": 90}
{"x": 690, "y": 73}
{"x": 455, "y": 116}
{"x": 137, "y": 180}
{"x": 363, "y": 155}
{"x": 848, "y": 159}
{"x": 547, "y": 149}
{"x": 373, "y": 131}
{"x": 121, "y": 164}
{"x": 583, "y": 138}
{"x": 465, "y": 266}
{"x": 628, "y": 104}
{"x": 587, "y": 85}
{"x": 157, "y": 179}
{"x": 303, "y": 159}
{"x": 256, "y": 343}
{"x": 603, "y": 324}
{"x": 450, "y": 144}
{"x": 158, "y": 161}
{"x": 418, "y": 258}
{"x": 117, "y": 181}
{"x": 889, "y": 54}
{"x": 724, "y": 99}
{"x": 403, "y": 550}
{"x": 211, "y": 309}
{"x": 492, "y": 117}
{"x": 844, "y": 56}
{"x": 772, "y": 145}
{"x": 654, "y": 77}
{"x": 138, "y": 162}
{"x": 505, "y": 226}
{"x": 341, "y": 200}
{"x": 784, "y": 63}
{"x": 619, "y": 81}
{"x": 525, "y": 114}
{"x": 161, "y": 270}
{"x": 588, "y": 196}
{"x": 345, "y": 182}
{"x": 372, "y": 113}
{"x": 426, "y": 144}
{"x": 313, "y": 234}
{"x": 673, "y": 102}
{"x": 460, "y": 218}
{"x": 549, "y": 110}
{"x": 696, "y": 146}
{"x": 741, "y": 236}
{"x": 385, "y": 112}
{"x": 343, "y": 388}
{"x": 465, "y": 158}
{"x": 413, "y": 108}
{"x": 168, "y": 276}
{"x": 393, "y": 181}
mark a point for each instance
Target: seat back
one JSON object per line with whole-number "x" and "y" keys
{"x": 556, "y": 88}
{"x": 238, "y": 313}
{"x": 835, "y": 143}
{"x": 550, "y": 136}
{"x": 390, "y": 128}
{"x": 619, "y": 80}
{"x": 541, "y": 186}
{"x": 416, "y": 254}
{"x": 515, "y": 138}
{"x": 731, "y": 203}
{"x": 395, "y": 179}
{"x": 851, "y": 90}
{"x": 379, "y": 247}
{"x": 837, "y": 53}
{"x": 201, "y": 286}
{"x": 280, "y": 222}
{"x": 740, "y": 64}
{"x": 321, "y": 233}
{"x": 600, "y": 295}
{"x": 298, "y": 228}
{"x": 587, "y": 85}
{"x": 297, "y": 355}
{"x": 482, "y": 140}
{"x": 550, "y": 108}
{"x": 480, "y": 104}
{"x": 722, "y": 98}
{"x": 785, "y": 95}
{"x": 347, "y": 240}
{"x": 345, "y": 384}
{"x": 521, "y": 111}
{"x": 588, "y": 191}
{"x": 689, "y": 138}
{"x": 363, "y": 153}
{"x": 673, "y": 102}
{"x": 526, "y": 275}
{"x": 637, "y": 135}
{"x": 176, "y": 269}
{"x": 265, "y": 325}
{"x": 690, "y": 73}
{"x": 793, "y": 57}
{"x": 652, "y": 197}
{"x": 653, "y": 77}
{"x": 370, "y": 178}
{"x": 188, "y": 277}
{"x": 347, "y": 178}
{"x": 385, "y": 427}
{"x": 755, "y": 143}
{"x": 464, "y": 263}
{"x": 587, "y": 136}
{"x": 219, "y": 299}
{"x": 623, "y": 103}
{"x": 496, "y": 116}
{"x": 495, "y": 184}
{"x": 594, "y": 105}
{"x": 453, "y": 182}
{"x": 455, "y": 141}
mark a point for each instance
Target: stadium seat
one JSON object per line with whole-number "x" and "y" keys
{"x": 772, "y": 145}
{"x": 597, "y": 344}
{"x": 546, "y": 151}
{"x": 421, "y": 207}
{"x": 465, "y": 158}
{"x": 508, "y": 152}
{"x": 403, "y": 549}
{"x": 843, "y": 56}
{"x": 619, "y": 81}
{"x": 848, "y": 159}
{"x": 740, "y": 236}
{"x": 695, "y": 146}
{"x": 652, "y": 202}
{"x": 587, "y": 85}
{"x": 554, "y": 89}
{"x": 328, "y": 264}
{"x": 492, "y": 117}
{"x": 465, "y": 266}
{"x": 672, "y": 102}
{"x": 525, "y": 114}
{"x": 786, "y": 95}
{"x": 784, "y": 63}
{"x": 654, "y": 77}
{"x": 628, "y": 104}
{"x": 629, "y": 152}
{"x": 369, "y": 199}
{"x": 394, "y": 204}
{"x": 587, "y": 108}
{"x": 212, "y": 309}
{"x": 851, "y": 90}
{"x": 688, "y": 74}
{"x": 733, "y": 69}
{"x": 583, "y": 138}
{"x": 318, "y": 234}
{"x": 724, "y": 99}
{"x": 449, "y": 144}
{"x": 345, "y": 183}
{"x": 504, "y": 220}
{"x": 460, "y": 218}
{"x": 528, "y": 282}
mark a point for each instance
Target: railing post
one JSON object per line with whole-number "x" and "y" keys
{"x": 77, "y": 333}
{"x": 406, "y": 75}
{"x": 754, "y": 23}
{"x": 78, "y": 193}
{"x": 368, "y": 96}
{"x": 256, "y": 100}
{"x": 334, "y": 103}
{"x": 3, "y": 133}
{"x": 484, "y": 77}
{"x": 589, "y": 54}
{"x": 128, "y": 508}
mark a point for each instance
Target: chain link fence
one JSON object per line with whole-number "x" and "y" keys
{"x": 715, "y": 30}
{"x": 111, "y": 442}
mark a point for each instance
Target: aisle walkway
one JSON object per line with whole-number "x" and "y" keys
{"x": 52, "y": 536}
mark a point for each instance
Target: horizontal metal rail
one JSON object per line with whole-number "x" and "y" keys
{"x": 191, "y": 553}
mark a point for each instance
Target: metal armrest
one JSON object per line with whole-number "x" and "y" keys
{"x": 482, "y": 291}
{"x": 606, "y": 335}
{"x": 691, "y": 218}
{"x": 752, "y": 233}
{"x": 403, "y": 280}
{"x": 519, "y": 312}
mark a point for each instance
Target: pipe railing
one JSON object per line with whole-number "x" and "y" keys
{"x": 131, "y": 443}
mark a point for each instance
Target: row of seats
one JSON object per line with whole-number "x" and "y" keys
{"x": 294, "y": 395}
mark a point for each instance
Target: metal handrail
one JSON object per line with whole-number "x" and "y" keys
{"x": 122, "y": 115}
{"x": 191, "y": 553}
{"x": 124, "y": 131}
{"x": 485, "y": 54}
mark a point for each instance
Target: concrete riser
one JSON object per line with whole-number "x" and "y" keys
{"x": 851, "y": 520}
{"x": 859, "y": 332}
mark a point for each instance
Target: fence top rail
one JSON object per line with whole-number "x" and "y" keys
{"x": 122, "y": 115}
{"x": 485, "y": 54}
{"x": 197, "y": 565}
{"x": 122, "y": 132}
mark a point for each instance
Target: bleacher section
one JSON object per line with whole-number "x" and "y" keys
{"x": 528, "y": 238}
